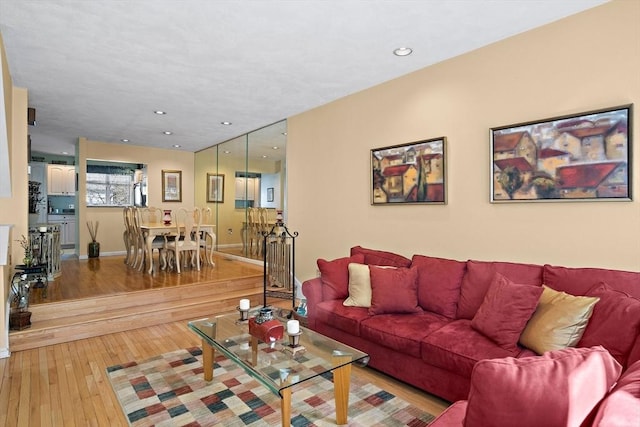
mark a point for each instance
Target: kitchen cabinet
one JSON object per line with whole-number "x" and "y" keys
{"x": 67, "y": 224}
{"x": 247, "y": 188}
{"x": 61, "y": 180}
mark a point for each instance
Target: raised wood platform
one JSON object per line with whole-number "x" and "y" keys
{"x": 125, "y": 299}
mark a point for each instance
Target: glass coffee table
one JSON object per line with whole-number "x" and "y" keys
{"x": 277, "y": 365}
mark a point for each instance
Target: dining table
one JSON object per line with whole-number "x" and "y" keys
{"x": 152, "y": 230}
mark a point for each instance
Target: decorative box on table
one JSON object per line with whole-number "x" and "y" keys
{"x": 267, "y": 332}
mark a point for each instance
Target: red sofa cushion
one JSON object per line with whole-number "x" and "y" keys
{"x": 614, "y": 323}
{"x": 376, "y": 257}
{"x": 457, "y": 347}
{"x": 622, "y": 405}
{"x": 346, "y": 319}
{"x": 335, "y": 276}
{"x": 505, "y": 311}
{"x": 558, "y": 388}
{"x": 401, "y": 332}
{"x": 478, "y": 278}
{"x": 439, "y": 282}
{"x": 394, "y": 290}
{"x": 577, "y": 281}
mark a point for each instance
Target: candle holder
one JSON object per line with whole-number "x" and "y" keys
{"x": 294, "y": 343}
{"x": 244, "y": 314}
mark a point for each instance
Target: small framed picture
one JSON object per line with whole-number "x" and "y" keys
{"x": 409, "y": 173}
{"x": 215, "y": 188}
{"x": 171, "y": 186}
{"x": 578, "y": 157}
{"x": 270, "y": 194}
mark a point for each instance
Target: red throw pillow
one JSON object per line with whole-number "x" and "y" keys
{"x": 439, "y": 282}
{"x": 559, "y": 388}
{"x": 335, "y": 276}
{"x": 394, "y": 290}
{"x": 478, "y": 278}
{"x": 505, "y": 311}
{"x": 615, "y": 322}
{"x": 375, "y": 257}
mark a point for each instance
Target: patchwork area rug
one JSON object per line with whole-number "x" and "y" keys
{"x": 169, "y": 390}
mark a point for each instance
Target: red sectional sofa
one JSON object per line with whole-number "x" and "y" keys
{"x": 431, "y": 320}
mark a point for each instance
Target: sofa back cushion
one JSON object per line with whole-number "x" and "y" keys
{"x": 335, "y": 276}
{"x": 555, "y": 389}
{"x": 479, "y": 276}
{"x": 439, "y": 282}
{"x": 615, "y": 322}
{"x": 376, "y": 257}
{"x": 577, "y": 281}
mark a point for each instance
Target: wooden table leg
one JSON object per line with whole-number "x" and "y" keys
{"x": 285, "y": 407}
{"x": 341, "y": 384}
{"x": 207, "y": 360}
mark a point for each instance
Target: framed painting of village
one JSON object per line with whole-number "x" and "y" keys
{"x": 582, "y": 157}
{"x": 409, "y": 173}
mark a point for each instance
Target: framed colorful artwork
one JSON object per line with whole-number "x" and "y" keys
{"x": 576, "y": 157}
{"x": 409, "y": 173}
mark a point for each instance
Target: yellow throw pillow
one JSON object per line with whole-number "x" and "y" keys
{"x": 558, "y": 322}
{"x": 359, "y": 286}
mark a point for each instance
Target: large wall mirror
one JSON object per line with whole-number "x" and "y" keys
{"x": 252, "y": 170}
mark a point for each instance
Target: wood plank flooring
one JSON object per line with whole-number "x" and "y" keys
{"x": 65, "y": 384}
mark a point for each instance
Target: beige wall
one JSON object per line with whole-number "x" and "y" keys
{"x": 584, "y": 62}
{"x": 110, "y": 219}
{"x": 13, "y": 210}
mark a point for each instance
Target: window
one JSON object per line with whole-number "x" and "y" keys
{"x": 109, "y": 185}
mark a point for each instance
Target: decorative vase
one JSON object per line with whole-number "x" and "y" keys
{"x": 27, "y": 260}
{"x": 167, "y": 216}
{"x": 93, "y": 249}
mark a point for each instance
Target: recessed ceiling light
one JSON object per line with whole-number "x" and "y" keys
{"x": 227, "y": 152}
{"x": 124, "y": 140}
{"x": 226, "y": 123}
{"x": 284, "y": 133}
{"x": 176, "y": 145}
{"x": 402, "y": 51}
{"x": 275, "y": 148}
{"x": 168, "y": 132}
{"x": 264, "y": 156}
{"x": 160, "y": 112}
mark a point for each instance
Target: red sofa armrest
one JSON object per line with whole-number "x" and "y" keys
{"x": 312, "y": 290}
{"x": 453, "y": 416}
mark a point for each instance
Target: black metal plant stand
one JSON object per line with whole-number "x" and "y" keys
{"x": 279, "y": 256}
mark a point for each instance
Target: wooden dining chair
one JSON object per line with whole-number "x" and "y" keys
{"x": 187, "y": 223}
{"x": 129, "y": 234}
{"x": 150, "y": 216}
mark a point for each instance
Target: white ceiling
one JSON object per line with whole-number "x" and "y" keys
{"x": 99, "y": 69}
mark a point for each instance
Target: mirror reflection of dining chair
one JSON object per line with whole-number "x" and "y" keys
{"x": 187, "y": 223}
{"x": 207, "y": 238}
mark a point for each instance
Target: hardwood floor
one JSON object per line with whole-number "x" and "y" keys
{"x": 65, "y": 384}
{"x": 103, "y": 276}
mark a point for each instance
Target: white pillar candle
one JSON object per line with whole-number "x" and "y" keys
{"x": 293, "y": 327}
{"x": 43, "y": 229}
{"x": 245, "y": 304}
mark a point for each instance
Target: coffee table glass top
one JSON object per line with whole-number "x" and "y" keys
{"x": 275, "y": 365}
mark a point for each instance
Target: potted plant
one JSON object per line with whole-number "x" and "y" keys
{"x": 93, "y": 249}
{"x": 19, "y": 316}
